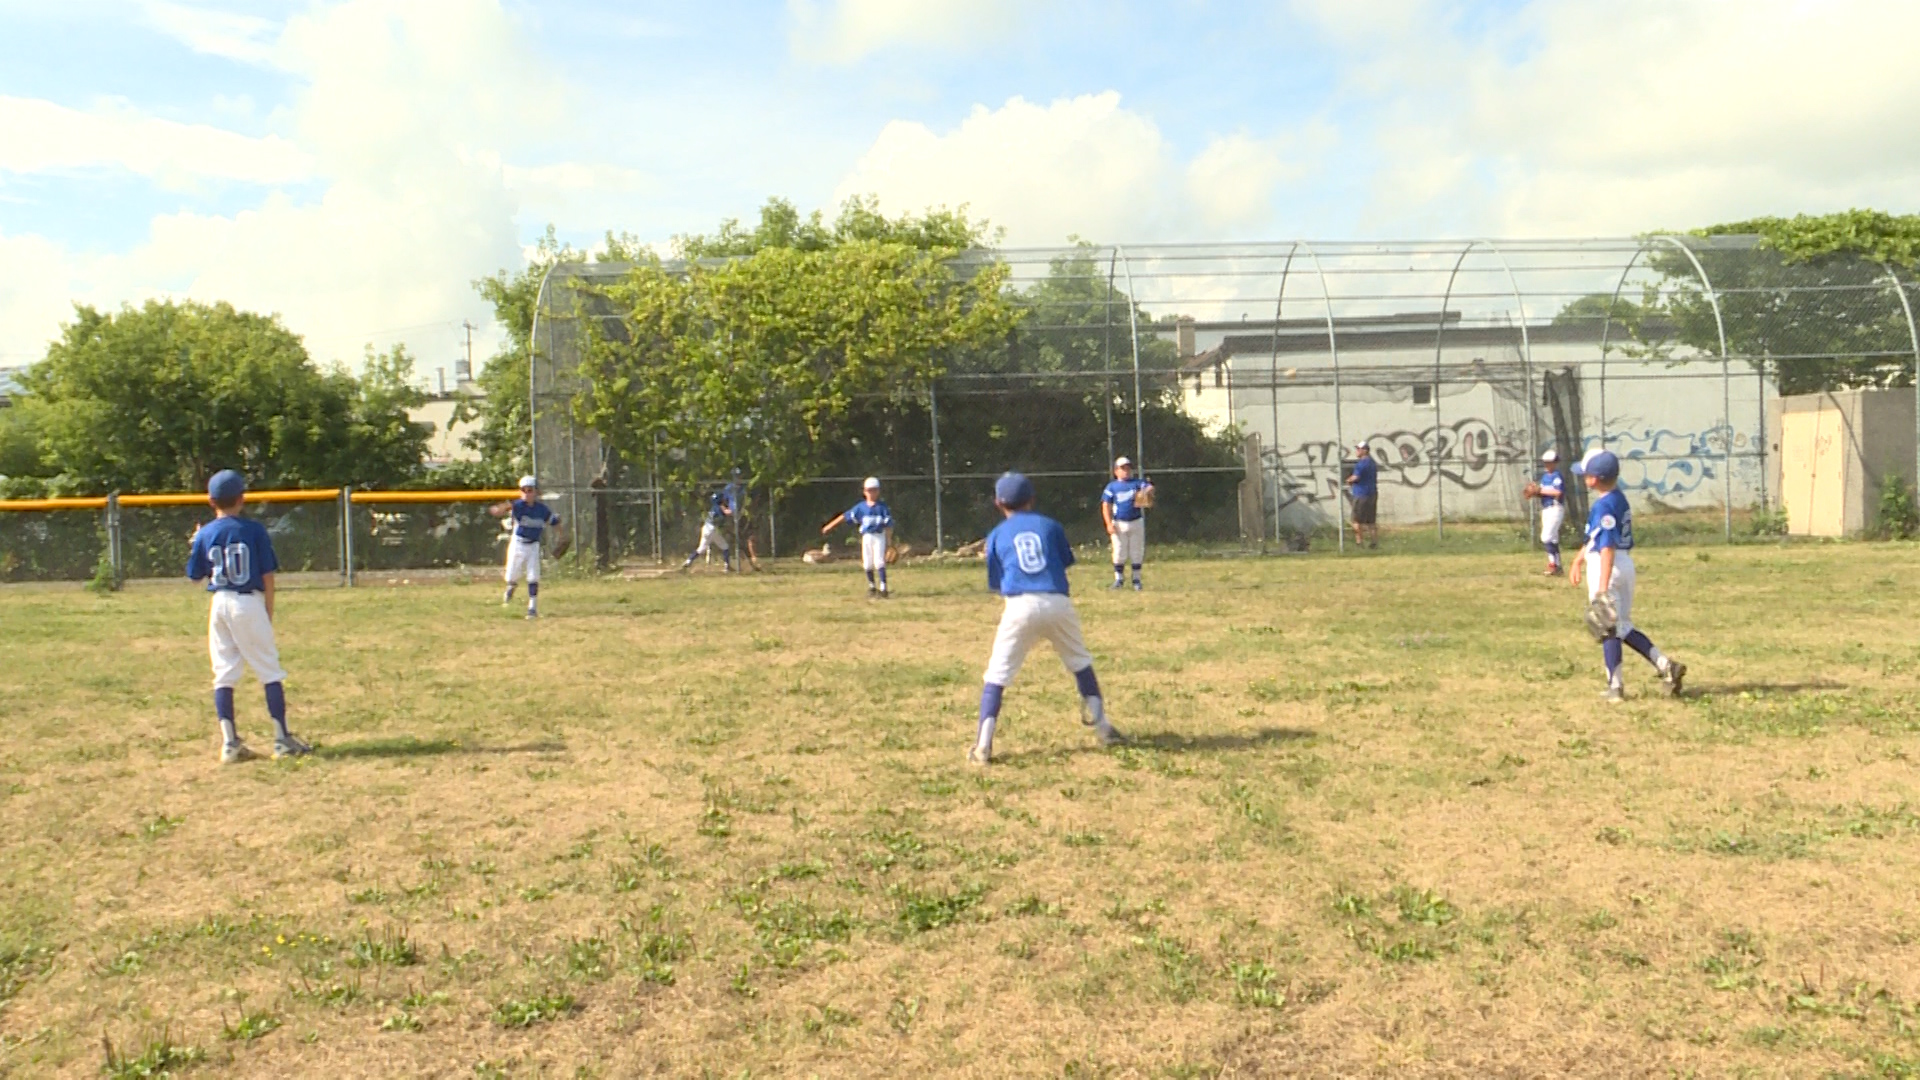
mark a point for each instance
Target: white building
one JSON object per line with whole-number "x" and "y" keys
{"x": 1457, "y": 414}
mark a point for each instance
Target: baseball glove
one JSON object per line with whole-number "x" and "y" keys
{"x": 893, "y": 555}
{"x": 1144, "y": 499}
{"x": 1603, "y": 619}
{"x": 562, "y": 546}
{"x": 1532, "y": 490}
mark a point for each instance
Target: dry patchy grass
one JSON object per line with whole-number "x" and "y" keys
{"x": 1376, "y": 820}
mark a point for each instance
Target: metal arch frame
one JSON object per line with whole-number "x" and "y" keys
{"x": 1106, "y": 347}
{"x": 1526, "y": 360}
{"x": 1726, "y": 373}
{"x": 1339, "y": 428}
{"x": 1913, "y": 332}
{"x": 1273, "y": 385}
{"x": 1133, "y": 329}
{"x": 1606, "y": 335}
{"x": 533, "y": 354}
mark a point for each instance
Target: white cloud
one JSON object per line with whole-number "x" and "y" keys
{"x": 41, "y": 136}
{"x": 844, "y": 31}
{"x": 1083, "y": 166}
{"x": 215, "y": 32}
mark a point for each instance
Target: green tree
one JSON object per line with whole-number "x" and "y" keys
{"x": 160, "y": 397}
{"x": 1811, "y": 304}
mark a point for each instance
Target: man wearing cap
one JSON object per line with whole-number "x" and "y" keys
{"x": 1124, "y": 512}
{"x": 1607, "y": 559}
{"x": 529, "y": 519}
{"x": 1363, "y": 485}
{"x": 1551, "y": 490}
{"x": 874, "y": 522}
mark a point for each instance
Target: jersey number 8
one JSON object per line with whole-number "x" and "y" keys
{"x": 1030, "y": 552}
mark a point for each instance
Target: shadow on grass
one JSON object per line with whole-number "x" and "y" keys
{"x": 1201, "y": 744}
{"x": 1787, "y": 689}
{"x": 407, "y": 746}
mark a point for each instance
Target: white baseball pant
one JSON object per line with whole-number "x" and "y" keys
{"x": 1028, "y": 620}
{"x": 1130, "y": 541}
{"x": 523, "y": 561}
{"x": 1622, "y": 587}
{"x": 240, "y": 636}
{"x": 1552, "y": 518}
{"x": 873, "y": 551}
{"x": 712, "y": 537}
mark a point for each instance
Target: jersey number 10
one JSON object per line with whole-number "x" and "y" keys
{"x": 232, "y": 565}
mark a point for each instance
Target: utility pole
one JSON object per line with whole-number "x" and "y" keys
{"x": 468, "y": 325}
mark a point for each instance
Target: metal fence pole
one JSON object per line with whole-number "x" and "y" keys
{"x": 1439, "y": 341}
{"x": 1339, "y": 429}
{"x": 1526, "y": 367}
{"x": 114, "y": 557}
{"x": 1106, "y": 348}
{"x": 1273, "y": 386}
{"x": 773, "y": 516}
{"x": 346, "y": 536}
{"x": 933, "y": 419}
{"x": 1606, "y": 333}
{"x": 1139, "y": 406}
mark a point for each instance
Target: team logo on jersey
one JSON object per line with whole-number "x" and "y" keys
{"x": 1029, "y": 552}
{"x": 1607, "y": 522}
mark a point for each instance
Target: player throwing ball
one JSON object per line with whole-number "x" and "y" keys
{"x": 1551, "y": 490}
{"x": 874, "y": 522}
{"x": 530, "y": 518}
{"x": 1608, "y": 560}
{"x": 1027, "y": 560}
{"x": 234, "y": 556}
{"x": 1124, "y": 511}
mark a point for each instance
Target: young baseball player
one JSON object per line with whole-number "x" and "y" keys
{"x": 234, "y": 556}
{"x": 1551, "y": 490}
{"x": 530, "y": 518}
{"x": 871, "y": 518}
{"x": 1607, "y": 559}
{"x": 1126, "y": 521}
{"x": 1363, "y": 484}
{"x": 1027, "y": 560}
{"x": 713, "y": 530}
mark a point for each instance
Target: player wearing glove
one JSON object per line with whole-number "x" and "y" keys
{"x": 874, "y": 522}
{"x": 1121, "y": 506}
{"x": 530, "y": 519}
{"x": 1551, "y": 490}
{"x": 1607, "y": 559}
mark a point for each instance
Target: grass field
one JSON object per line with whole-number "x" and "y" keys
{"x": 1376, "y": 820}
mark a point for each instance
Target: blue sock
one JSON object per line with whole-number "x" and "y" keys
{"x": 1553, "y": 553}
{"x": 277, "y": 708}
{"x": 1136, "y": 572}
{"x": 1643, "y": 645}
{"x": 1611, "y": 649}
{"x": 223, "y": 708}
{"x": 990, "y": 695}
{"x": 883, "y": 579}
{"x": 533, "y": 592}
{"x": 1089, "y": 683}
{"x": 1119, "y": 571}
{"x": 869, "y": 579}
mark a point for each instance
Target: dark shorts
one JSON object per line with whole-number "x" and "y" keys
{"x": 1364, "y": 507}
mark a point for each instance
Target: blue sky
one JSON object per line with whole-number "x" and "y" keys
{"x": 354, "y": 164}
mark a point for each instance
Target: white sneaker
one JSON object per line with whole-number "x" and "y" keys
{"x": 1109, "y": 735}
{"x": 979, "y": 758}
{"x": 234, "y": 753}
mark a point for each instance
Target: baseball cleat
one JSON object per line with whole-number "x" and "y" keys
{"x": 1675, "y": 674}
{"x": 1615, "y": 695}
{"x": 234, "y": 753}
{"x": 1117, "y": 584}
{"x": 1137, "y": 586}
{"x": 1108, "y": 735}
{"x": 288, "y": 746}
{"x": 532, "y": 614}
{"x": 979, "y": 758}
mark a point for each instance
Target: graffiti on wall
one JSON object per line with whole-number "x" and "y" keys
{"x": 1467, "y": 453}
{"x": 1671, "y": 464}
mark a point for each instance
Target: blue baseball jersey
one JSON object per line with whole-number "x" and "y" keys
{"x": 530, "y": 520}
{"x": 1553, "y": 488}
{"x": 1028, "y": 553}
{"x": 718, "y": 507}
{"x": 869, "y": 519}
{"x": 1120, "y": 494}
{"x": 1366, "y": 479}
{"x": 232, "y": 554}
{"x": 1610, "y": 522}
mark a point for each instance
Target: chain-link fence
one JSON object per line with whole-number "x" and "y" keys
{"x": 1243, "y": 376}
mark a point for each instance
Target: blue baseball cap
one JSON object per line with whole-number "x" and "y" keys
{"x": 1599, "y": 464}
{"x": 1013, "y": 490}
{"x": 226, "y": 486}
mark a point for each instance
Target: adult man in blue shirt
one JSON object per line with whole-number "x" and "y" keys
{"x": 1027, "y": 560}
{"x": 1363, "y": 485}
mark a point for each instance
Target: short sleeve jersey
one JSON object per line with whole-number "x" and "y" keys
{"x": 1120, "y": 495}
{"x": 1366, "y": 479}
{"x": 717, "y": 507}
{"x": 870, "y": 519}
{"x": 232, "y": 554}
{"x": 1028, "y": 553}
{"x": 1553, "y": 488}
{"x": 1610, "y": 523}
{"x": 530, "y": 519}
